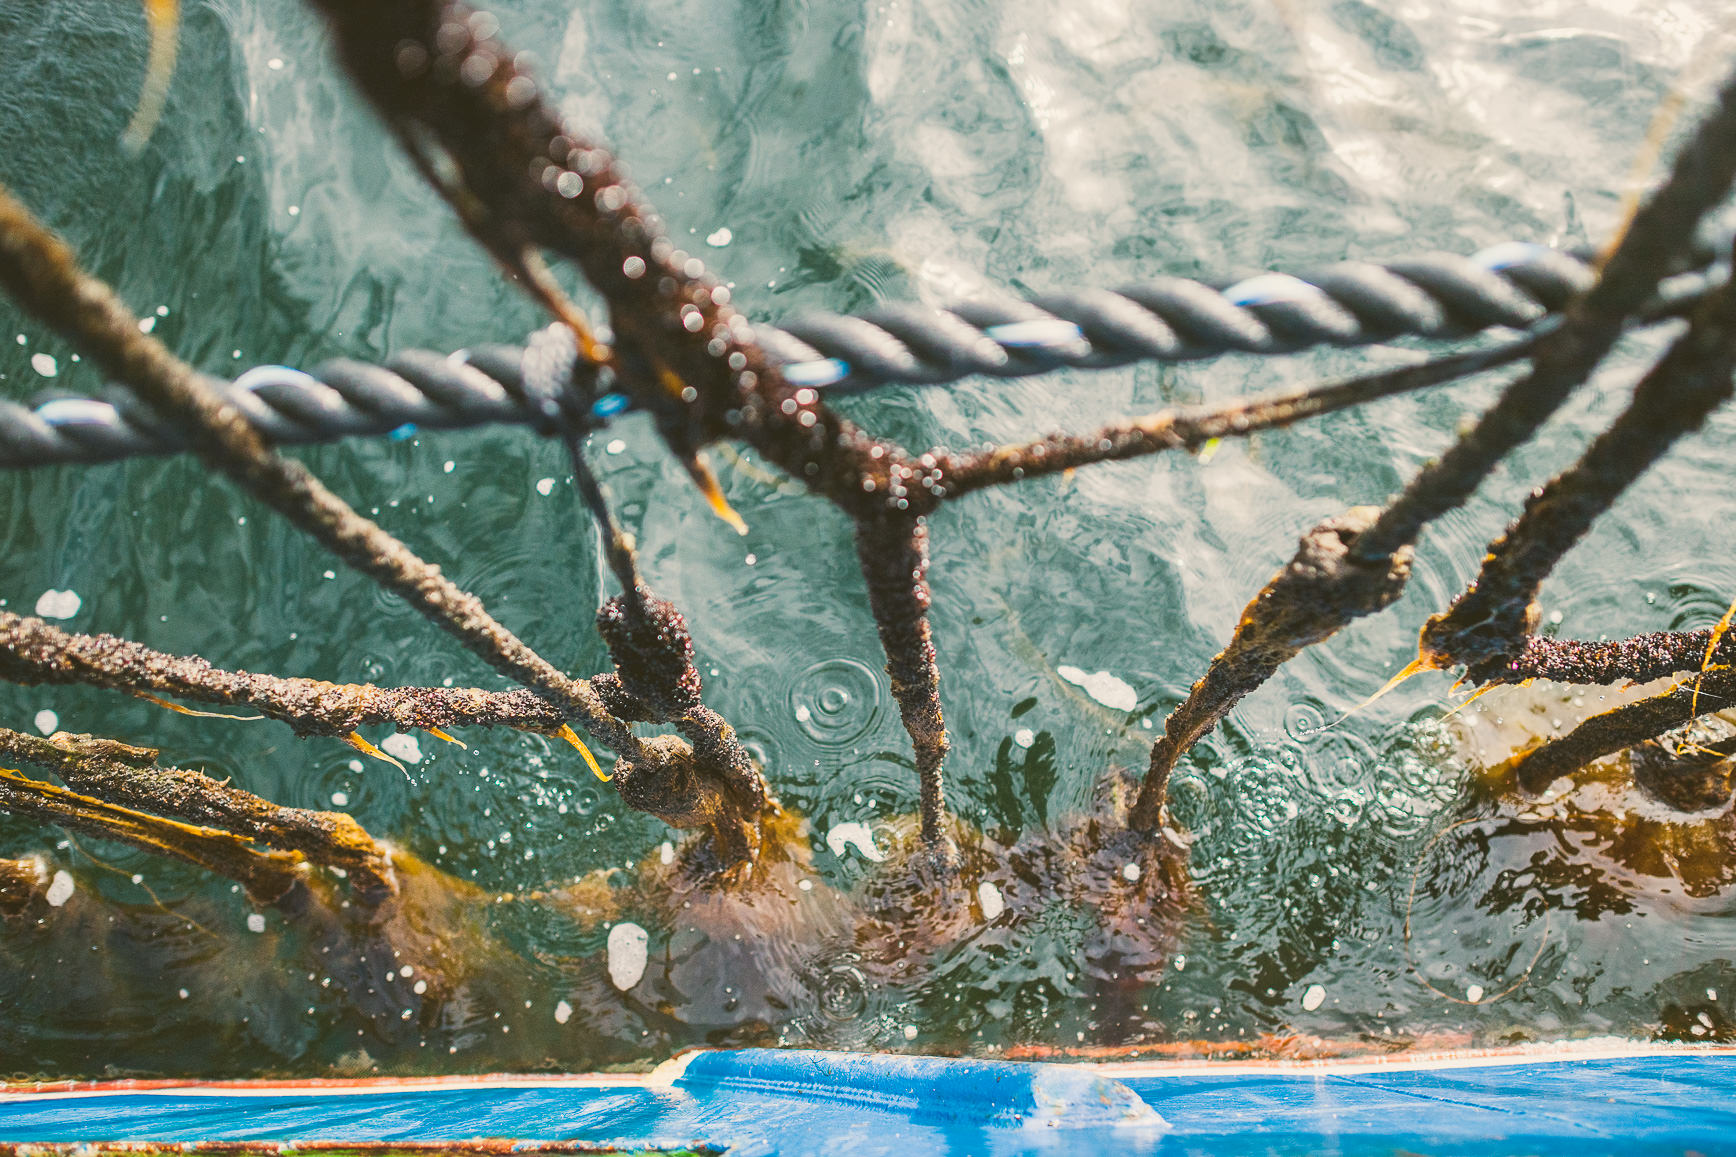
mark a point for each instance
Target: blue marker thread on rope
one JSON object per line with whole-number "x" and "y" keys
{"x": 1272, "y": 288}
{"x": 608, "y": 406}
{"x": 816, "y": 374}
{"x": 1508, "y": 254}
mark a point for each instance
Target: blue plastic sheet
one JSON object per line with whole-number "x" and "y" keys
{"x": 797, "y": 1103}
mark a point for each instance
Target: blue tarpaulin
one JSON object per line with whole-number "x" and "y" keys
{"x": 794, "y": 1102}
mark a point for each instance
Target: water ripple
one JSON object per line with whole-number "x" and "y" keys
{"x": 835, "y": 701}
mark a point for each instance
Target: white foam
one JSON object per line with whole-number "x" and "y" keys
{"x": 1474, "y": 993}
{"x": 401, "y": 746}
{"x": 1024, "y": 737}
{"x": 627, "y": 954}
{"x": 545, "y": 486}
{"x": 989, "y": 897}
{"x": 61, "y": 889}
{"x": 853, "y": 833}
{"x": 1107, "y": 689}
{"x": 58, "y": 604}
{"x": 44, "y": 364}
{"x": 720, "y": 238}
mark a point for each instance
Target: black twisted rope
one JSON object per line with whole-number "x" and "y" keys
{"x": 1515, "y": 285}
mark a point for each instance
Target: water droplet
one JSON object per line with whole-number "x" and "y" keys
{"x": 60, "y": 889}
{"x": 1314, "y": 997}
{"x": 836, "y": 701}
{"x": 989, "y": 897}
{"x": 47, "y": 722}
{"x": 1304, "y": 722}
{"x": 563, "y": 1012}
{"x": 853, "y": 834}
{"x": 402, "y": 747}
{"x": 1109, "y": 690}
{"x": 628, "y": 944}
{"x": 54, "y": 604}
{"x": 843, "y": 994}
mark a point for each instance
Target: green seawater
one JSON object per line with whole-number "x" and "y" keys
{"x": 824, "y": 154}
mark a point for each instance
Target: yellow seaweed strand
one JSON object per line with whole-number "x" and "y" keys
{"x": 366, "y": 748}
{"x": 1415, "y": 667}
{"x": 163, "y": 18}
{"x": 180, "y": 710}
{"x": 542, "y": 284}
{"x": 567, "y": 733}
{"x": 1472, "y": 698}
{"x": 1718, "y": 633}
{"x": 439, "y": 734}
{"x": 707, "y": 483}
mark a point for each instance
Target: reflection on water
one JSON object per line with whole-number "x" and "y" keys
{"x": 828, "y": 155}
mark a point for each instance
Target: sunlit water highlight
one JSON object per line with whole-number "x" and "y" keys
{"x": 828, "y": 155}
